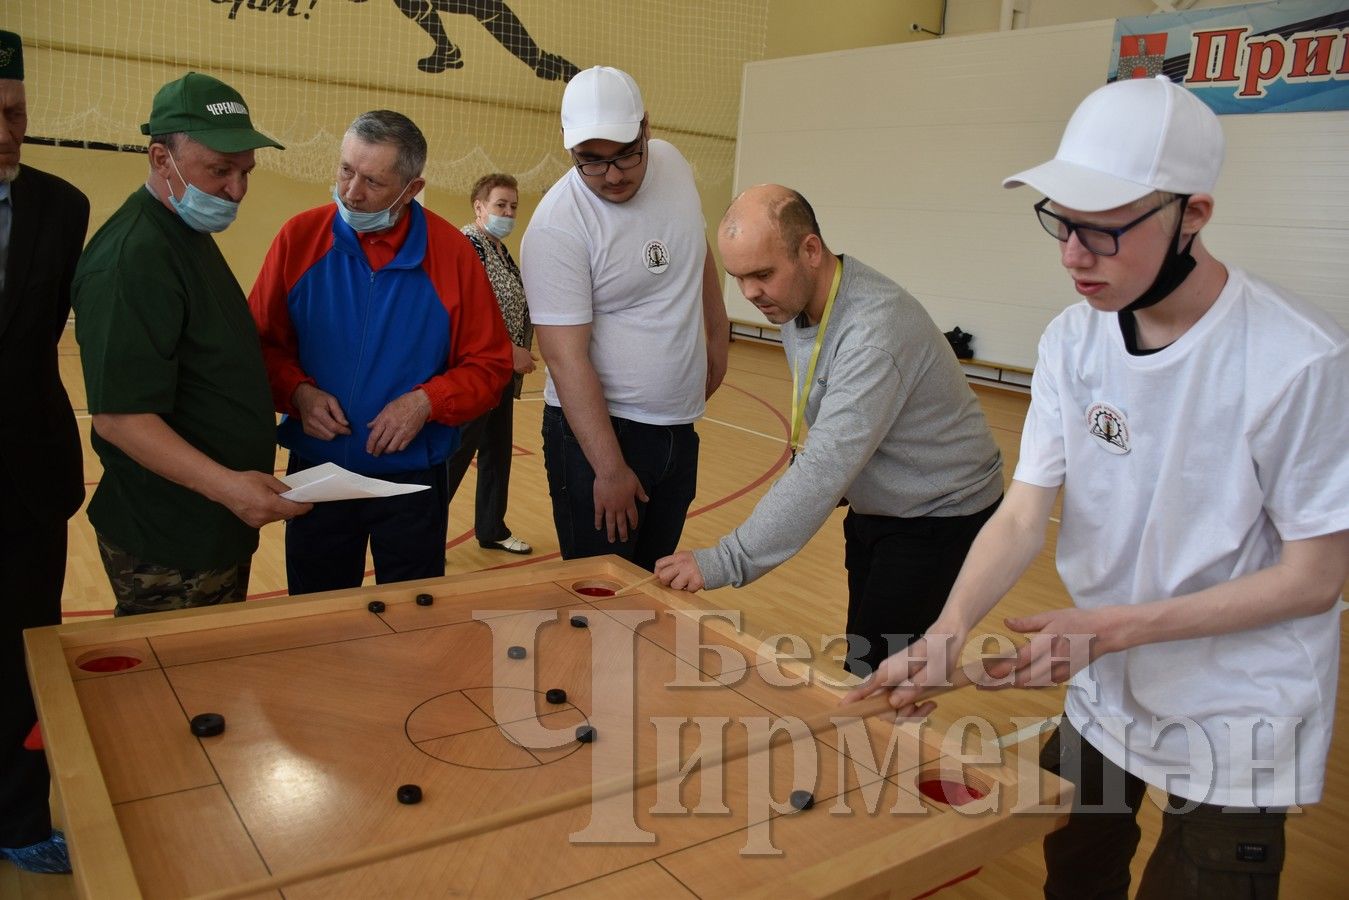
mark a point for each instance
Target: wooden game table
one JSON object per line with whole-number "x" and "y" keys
{"x": 331, "y": 706}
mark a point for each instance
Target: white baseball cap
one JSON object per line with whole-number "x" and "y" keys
{"x": 1128, "y": 139}
{"x": 601, "y": 103}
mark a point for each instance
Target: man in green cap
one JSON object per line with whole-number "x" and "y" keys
{"x": 182, "y": 414}
{"x": 42, "y": 225}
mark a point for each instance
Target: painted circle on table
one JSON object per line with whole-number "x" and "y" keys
{"x": 455, "y": 728}
{"x": 595, "y": 588}
{"x": 951, "y": 787}
{"x": 109, "y": 659}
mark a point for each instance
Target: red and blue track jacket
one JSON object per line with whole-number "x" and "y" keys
{"x": 428, "y": 319}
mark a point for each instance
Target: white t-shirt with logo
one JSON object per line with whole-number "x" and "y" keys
{"x": 634, "y": 272}
{"x": 1184, "y": 469}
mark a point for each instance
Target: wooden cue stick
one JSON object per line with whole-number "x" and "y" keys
{"x": 740, "y": 745}
{"x": 635, "y": 585}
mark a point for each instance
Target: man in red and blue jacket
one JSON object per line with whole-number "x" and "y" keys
{"x": 381, "y": 336}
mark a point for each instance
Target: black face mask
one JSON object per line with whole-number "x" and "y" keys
{"x": 1176, "y": 267}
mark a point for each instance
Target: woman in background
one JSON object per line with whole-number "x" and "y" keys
{"x": 495, "y": 198}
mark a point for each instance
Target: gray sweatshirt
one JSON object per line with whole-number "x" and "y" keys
{"x": 894, "y": 428}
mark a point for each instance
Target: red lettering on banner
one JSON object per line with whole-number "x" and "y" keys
{"x": 1202, "y": 58}
{"x": 1311, "y": 55}
{"x": 1264, "y": 63}
{"x": 1344, "y": 55}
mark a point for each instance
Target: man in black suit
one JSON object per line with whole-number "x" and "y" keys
{"x": 42, "y": 226}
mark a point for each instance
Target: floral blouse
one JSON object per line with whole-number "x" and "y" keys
{"x": 504, "y": 275}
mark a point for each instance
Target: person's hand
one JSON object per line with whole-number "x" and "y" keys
{"x": 680, "y": 571}
{"x": 253, "y": 497}
{"x": 1062, "y": 643}
{"x": 320, "y": 413}
{"x": 398, "y": 423}
{"x": 926, "y": 663}
{"x": 616, "y": 497}
{"x": 522, "y": 360}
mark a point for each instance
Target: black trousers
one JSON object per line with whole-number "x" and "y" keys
{"x": 325, "y": 548}
{"x": 32, "y": 567}
{"x": 900, "y": 572}
{"x": 1205, "y": 852}
{"x": 489, "y": 436}
{"x": 665, "y": 460}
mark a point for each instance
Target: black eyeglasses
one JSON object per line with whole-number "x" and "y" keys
{"x": 1098, "y": 239}
{"x": 596, "y": 167}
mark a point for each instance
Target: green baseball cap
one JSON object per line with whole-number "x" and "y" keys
{"x": 11, "y": 56}
{"x": 208, "y": 111}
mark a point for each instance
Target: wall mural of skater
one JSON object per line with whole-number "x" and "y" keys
{"x": 500, "y": 22}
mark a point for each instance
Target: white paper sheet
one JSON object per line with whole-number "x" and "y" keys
{"x": 329, "y": 481}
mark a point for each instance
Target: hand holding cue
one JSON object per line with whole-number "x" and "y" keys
{"x": 739, "y": 745}
{"x": 635, "y": 585}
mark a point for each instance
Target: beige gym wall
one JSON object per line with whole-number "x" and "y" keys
{"x": 62, "y": 61}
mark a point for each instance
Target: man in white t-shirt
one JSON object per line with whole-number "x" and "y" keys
{"x": 1194, "y": 417}
{"x": 627, "y": 307}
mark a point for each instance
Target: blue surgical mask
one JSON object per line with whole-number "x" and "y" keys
{"x": 368, "y": 221}
{"x": 500, "y": 226}
{"x": 199, "y": 210}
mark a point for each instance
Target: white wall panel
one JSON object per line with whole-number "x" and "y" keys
{"x": 902, "y": 150}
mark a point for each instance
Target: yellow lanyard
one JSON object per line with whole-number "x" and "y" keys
{"x": 800, "y": 394}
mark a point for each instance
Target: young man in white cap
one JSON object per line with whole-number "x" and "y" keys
{"x": 1193, "y": 416}
{"x": 624, "y": 296}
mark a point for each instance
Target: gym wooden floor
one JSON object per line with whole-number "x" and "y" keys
{"x": 744, "y": 439}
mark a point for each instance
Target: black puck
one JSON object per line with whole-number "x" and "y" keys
{"x": 425, "y": 599}
{"x": 585, "y": 734}
{"x": 556, "y": 695}
{"x": 409, "y": 794}
{"x": 517, "y": 652}
{"x": 580, "y": 622}
{"x": 802, "y": 800}
{"x": 208, "y": 724}
{"x": 375, "y": 606}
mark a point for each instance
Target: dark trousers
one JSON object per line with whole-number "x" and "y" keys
{"x": 665, "y": 459}
{"x": 900, "y": 572}
{"x": 489, "y": 436}
{"x": 1204, "y": 853}
{"x": 325, "y": 548}
{"x": 32, "y": 567}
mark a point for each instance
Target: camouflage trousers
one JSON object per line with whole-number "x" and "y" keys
{"x": 1205, "y": 852}
{"x": 142, "y": 587}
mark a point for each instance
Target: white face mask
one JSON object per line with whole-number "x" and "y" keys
{"x": 368, "y": 221}
{"x": 199, "y": 210}
{"x": 499, "y": 226}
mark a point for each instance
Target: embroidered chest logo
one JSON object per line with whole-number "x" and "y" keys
{"x": 1108, "y": 425}
{"x": 656, "y": 257}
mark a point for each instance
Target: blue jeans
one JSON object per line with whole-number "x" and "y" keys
{"x": 665, "y": 459}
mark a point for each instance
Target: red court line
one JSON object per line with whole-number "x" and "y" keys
{"x": 772, "y": 470}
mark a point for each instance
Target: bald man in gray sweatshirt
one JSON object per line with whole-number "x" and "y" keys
{"x": 894, "y": 430}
